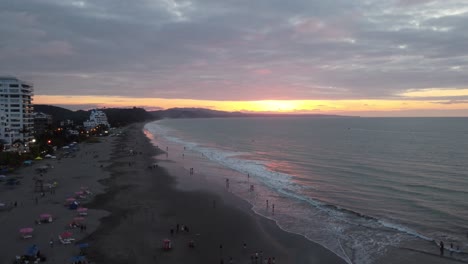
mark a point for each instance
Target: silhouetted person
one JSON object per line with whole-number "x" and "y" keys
{"x": 441, "y": 248}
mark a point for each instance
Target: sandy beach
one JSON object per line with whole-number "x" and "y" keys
{"x": 137, "y": 203}
{"x": 81, "y": 169}
{"x": 145, "y": 205}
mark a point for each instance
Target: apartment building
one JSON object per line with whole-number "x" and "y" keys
{"x": 97, "y": 117}
{"x": 16, "y": 120}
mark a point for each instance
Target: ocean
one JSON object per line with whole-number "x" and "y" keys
{"x": 357, "y": 186}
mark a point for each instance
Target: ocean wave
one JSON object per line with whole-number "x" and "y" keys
{"x": 349, "y": 229}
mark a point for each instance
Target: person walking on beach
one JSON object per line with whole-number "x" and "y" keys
{"x": 227, "y": 183}
{"x": 273, "y": 208}
{"x": 441, "y": 248}
{"x": 51, "y": 242}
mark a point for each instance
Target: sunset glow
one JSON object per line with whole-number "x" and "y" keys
{"x": 261, "y": 106}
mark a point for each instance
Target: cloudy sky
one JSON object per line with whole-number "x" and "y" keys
{"x": 371, "y": 57}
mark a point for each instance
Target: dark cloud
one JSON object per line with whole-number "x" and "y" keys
{"x": 235, "y": 50}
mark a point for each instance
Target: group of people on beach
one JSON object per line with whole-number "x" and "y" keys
{"x": 452, "y": 249}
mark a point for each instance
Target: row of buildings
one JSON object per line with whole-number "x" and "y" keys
{"x": 19, "y": 122}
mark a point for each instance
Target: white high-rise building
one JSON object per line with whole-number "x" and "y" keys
{"x": 96, "y": 118}
{"x": 16, "y": 121}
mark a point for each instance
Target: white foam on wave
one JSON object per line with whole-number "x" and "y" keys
{"x": 404, "y": 229}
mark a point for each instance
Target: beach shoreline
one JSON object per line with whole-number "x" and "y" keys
{"x": 145, "y": 205}
{"x": 140, "y": 197}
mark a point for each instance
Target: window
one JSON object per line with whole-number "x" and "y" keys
{"x": 14, "y": 85}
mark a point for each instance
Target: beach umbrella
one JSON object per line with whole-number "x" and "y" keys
{"x": 26, "y": 230}
{"x": 38, "y": 158}
{"x": 83, "y": 245}
{"x": 82, "y": 210}
{"x": 70, "y": 200}
{"x": 66, "y": 234}
{"x": 45, "y": 216}
{"x": 79, "y": 193}
{"x": 79, "y": 219}
{"x": 32, "y": 251}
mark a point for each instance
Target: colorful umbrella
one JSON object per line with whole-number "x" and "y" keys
{"x": 79, "y": 193}
{"x": 82, "y": 210}
{"x": 26, "y": 230}
{"x": 45, "y": 216}
{"x": 66, "y": 234}
{"x": 78, "y": 219}
{"x": 71, "y": 199}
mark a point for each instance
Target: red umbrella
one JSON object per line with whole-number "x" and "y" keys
{"x": 78, "y": 219}
{"x": 66, "y": 234}
{"x": 82, "y": 210}
{"x": 79, "y": 193}
{"x": 26, "y": 230}
{"x": 70, "y": 199}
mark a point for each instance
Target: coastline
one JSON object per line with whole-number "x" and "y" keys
{"x": 145, "y": 204}
{"x": 135, "y": 204}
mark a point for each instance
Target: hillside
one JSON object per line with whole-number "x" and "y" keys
{"x": 115, "y": 116}
{"x": 193, "y": 113}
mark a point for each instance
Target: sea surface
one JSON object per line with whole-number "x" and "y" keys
{"x": 357, "y": 186}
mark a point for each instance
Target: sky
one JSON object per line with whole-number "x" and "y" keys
{"x": 354, "y": 57}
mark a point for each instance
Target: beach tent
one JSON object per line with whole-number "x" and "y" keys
{"x": 167, "y": 245}
{"x": 48, "y": 156}
{"x": 73, "y": 205}
{"x": 26, "y": 232}
{"x": 32, "y": 251}
{"x": 27, "y": 162}
{"x": 38, "y": 158}
{"x": 45, "y": 218}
